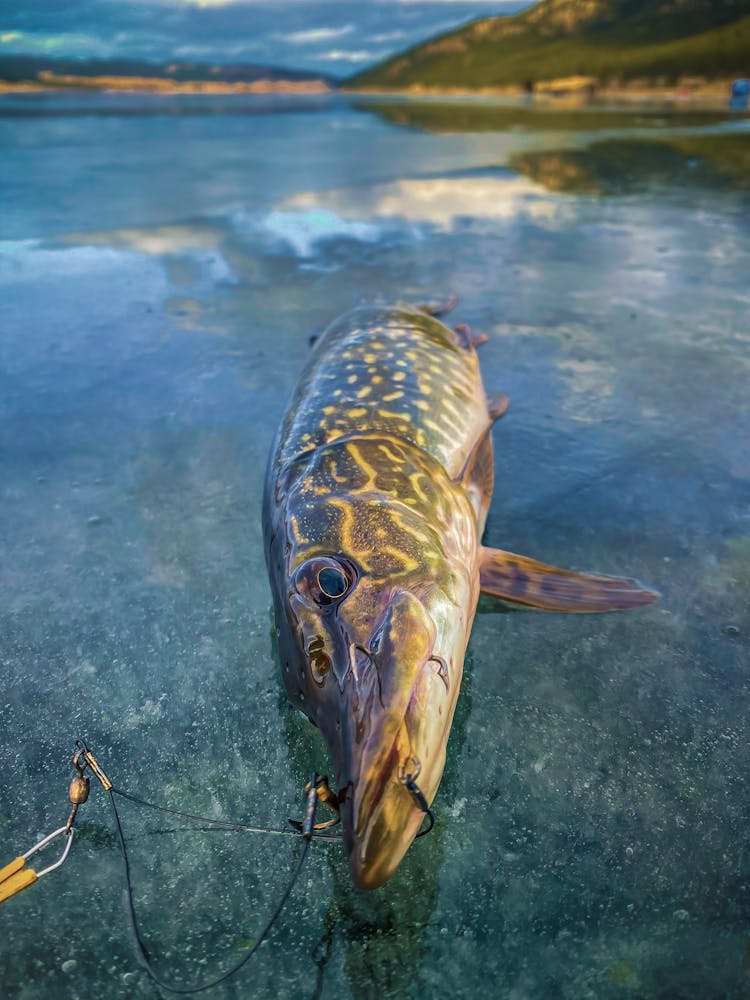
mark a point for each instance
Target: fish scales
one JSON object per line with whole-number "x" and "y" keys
{"x": 395, "y": 372}
{"x": 376, "y": 494}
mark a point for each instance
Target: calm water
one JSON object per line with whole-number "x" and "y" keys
{"x": 163, "y": 264}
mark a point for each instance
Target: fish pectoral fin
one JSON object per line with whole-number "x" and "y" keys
{"x": 525, "y": 581}
{"x": 497, "y": 404}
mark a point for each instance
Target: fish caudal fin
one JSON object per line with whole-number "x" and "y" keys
{"x": 525, "y": 581}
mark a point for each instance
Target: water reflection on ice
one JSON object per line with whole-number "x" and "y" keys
{"x": 403, "y": 209}
{"x": 201, "y": 241}
{"x": 303, "y": 230}
{"x": 441, "y": 202}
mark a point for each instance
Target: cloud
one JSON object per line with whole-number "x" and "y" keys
{"x": 316, "y": 35}
{"x": 209, "y": 3}
{"x": 64, "y": 43}
{"x": 239, "y": 50}
{"x": 513, "y": 4}
{"x": 389, "y": 36}
{"x": 291, "y": 3}
{"x": 340, "y": 55}
{"x": 272, "y": 32}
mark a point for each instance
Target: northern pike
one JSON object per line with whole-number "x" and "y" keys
{"x": 376, "y": 497}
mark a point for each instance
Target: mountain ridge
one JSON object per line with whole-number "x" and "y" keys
{"x": 604, "y": 41}
{"x": 47, "y": 71}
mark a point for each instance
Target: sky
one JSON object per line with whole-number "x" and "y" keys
{"x": 337, "y": 37}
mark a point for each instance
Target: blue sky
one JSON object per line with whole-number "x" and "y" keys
{"x": 336, "y": 36}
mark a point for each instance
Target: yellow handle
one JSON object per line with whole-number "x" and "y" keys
{"x": 20, "y": 878}
{"x": 15, "y": 866}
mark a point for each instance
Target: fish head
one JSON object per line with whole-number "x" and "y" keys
{"x": 373, "y": 615}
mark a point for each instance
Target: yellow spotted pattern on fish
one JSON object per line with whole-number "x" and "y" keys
{"x": 388, "y": 505}
{"x": 395, "y": 372}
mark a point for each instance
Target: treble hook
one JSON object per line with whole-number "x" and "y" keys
{"x": 407, "y": 780}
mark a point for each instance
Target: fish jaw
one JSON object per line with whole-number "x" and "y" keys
{"x": 404, "y": 735}
{"x": 388, "y": 831}
{"x": 381, "y": 817}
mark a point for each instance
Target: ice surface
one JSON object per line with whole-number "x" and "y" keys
{"x": 156, "y": 299}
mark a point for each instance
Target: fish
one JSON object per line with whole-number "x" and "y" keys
{"x": 375, "y": 501}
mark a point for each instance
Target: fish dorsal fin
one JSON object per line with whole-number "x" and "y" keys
{"x": 478, "y": 469}
{"x": 437, "y": 307}
{"x": 525, "y": 581}
{"x": 465, "y": 337}
{"x": 497, "y": 404}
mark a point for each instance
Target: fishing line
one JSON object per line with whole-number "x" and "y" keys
{"x": 18, "y": 875}
{"x": 140, "y": 946}
{"x": 224, "y": 824}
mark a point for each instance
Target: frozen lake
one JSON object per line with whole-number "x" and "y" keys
{"x": 163, "y": 262}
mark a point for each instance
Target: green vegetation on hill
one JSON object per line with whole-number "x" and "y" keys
{"x": 614, "y": 41}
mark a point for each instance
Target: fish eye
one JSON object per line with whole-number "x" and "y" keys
{"x": 332, "y": 582}
{"x": 325, "y": 580}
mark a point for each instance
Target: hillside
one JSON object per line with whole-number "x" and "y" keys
{"x": 609, "y": 42}
{"x": 122, "y": 74}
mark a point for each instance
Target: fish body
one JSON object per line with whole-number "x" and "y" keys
{"x": 376, "y": 496}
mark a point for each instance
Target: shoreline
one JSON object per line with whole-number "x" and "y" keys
{"x": 155, "y": 85}
{"x": 570, "y": 93}
{"x": 576, "y": 92}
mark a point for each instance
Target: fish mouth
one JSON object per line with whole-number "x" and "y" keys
{"x": 389, "y": 718}
{"x": 385, "y": 828}
{"x": 381, "y": 816}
